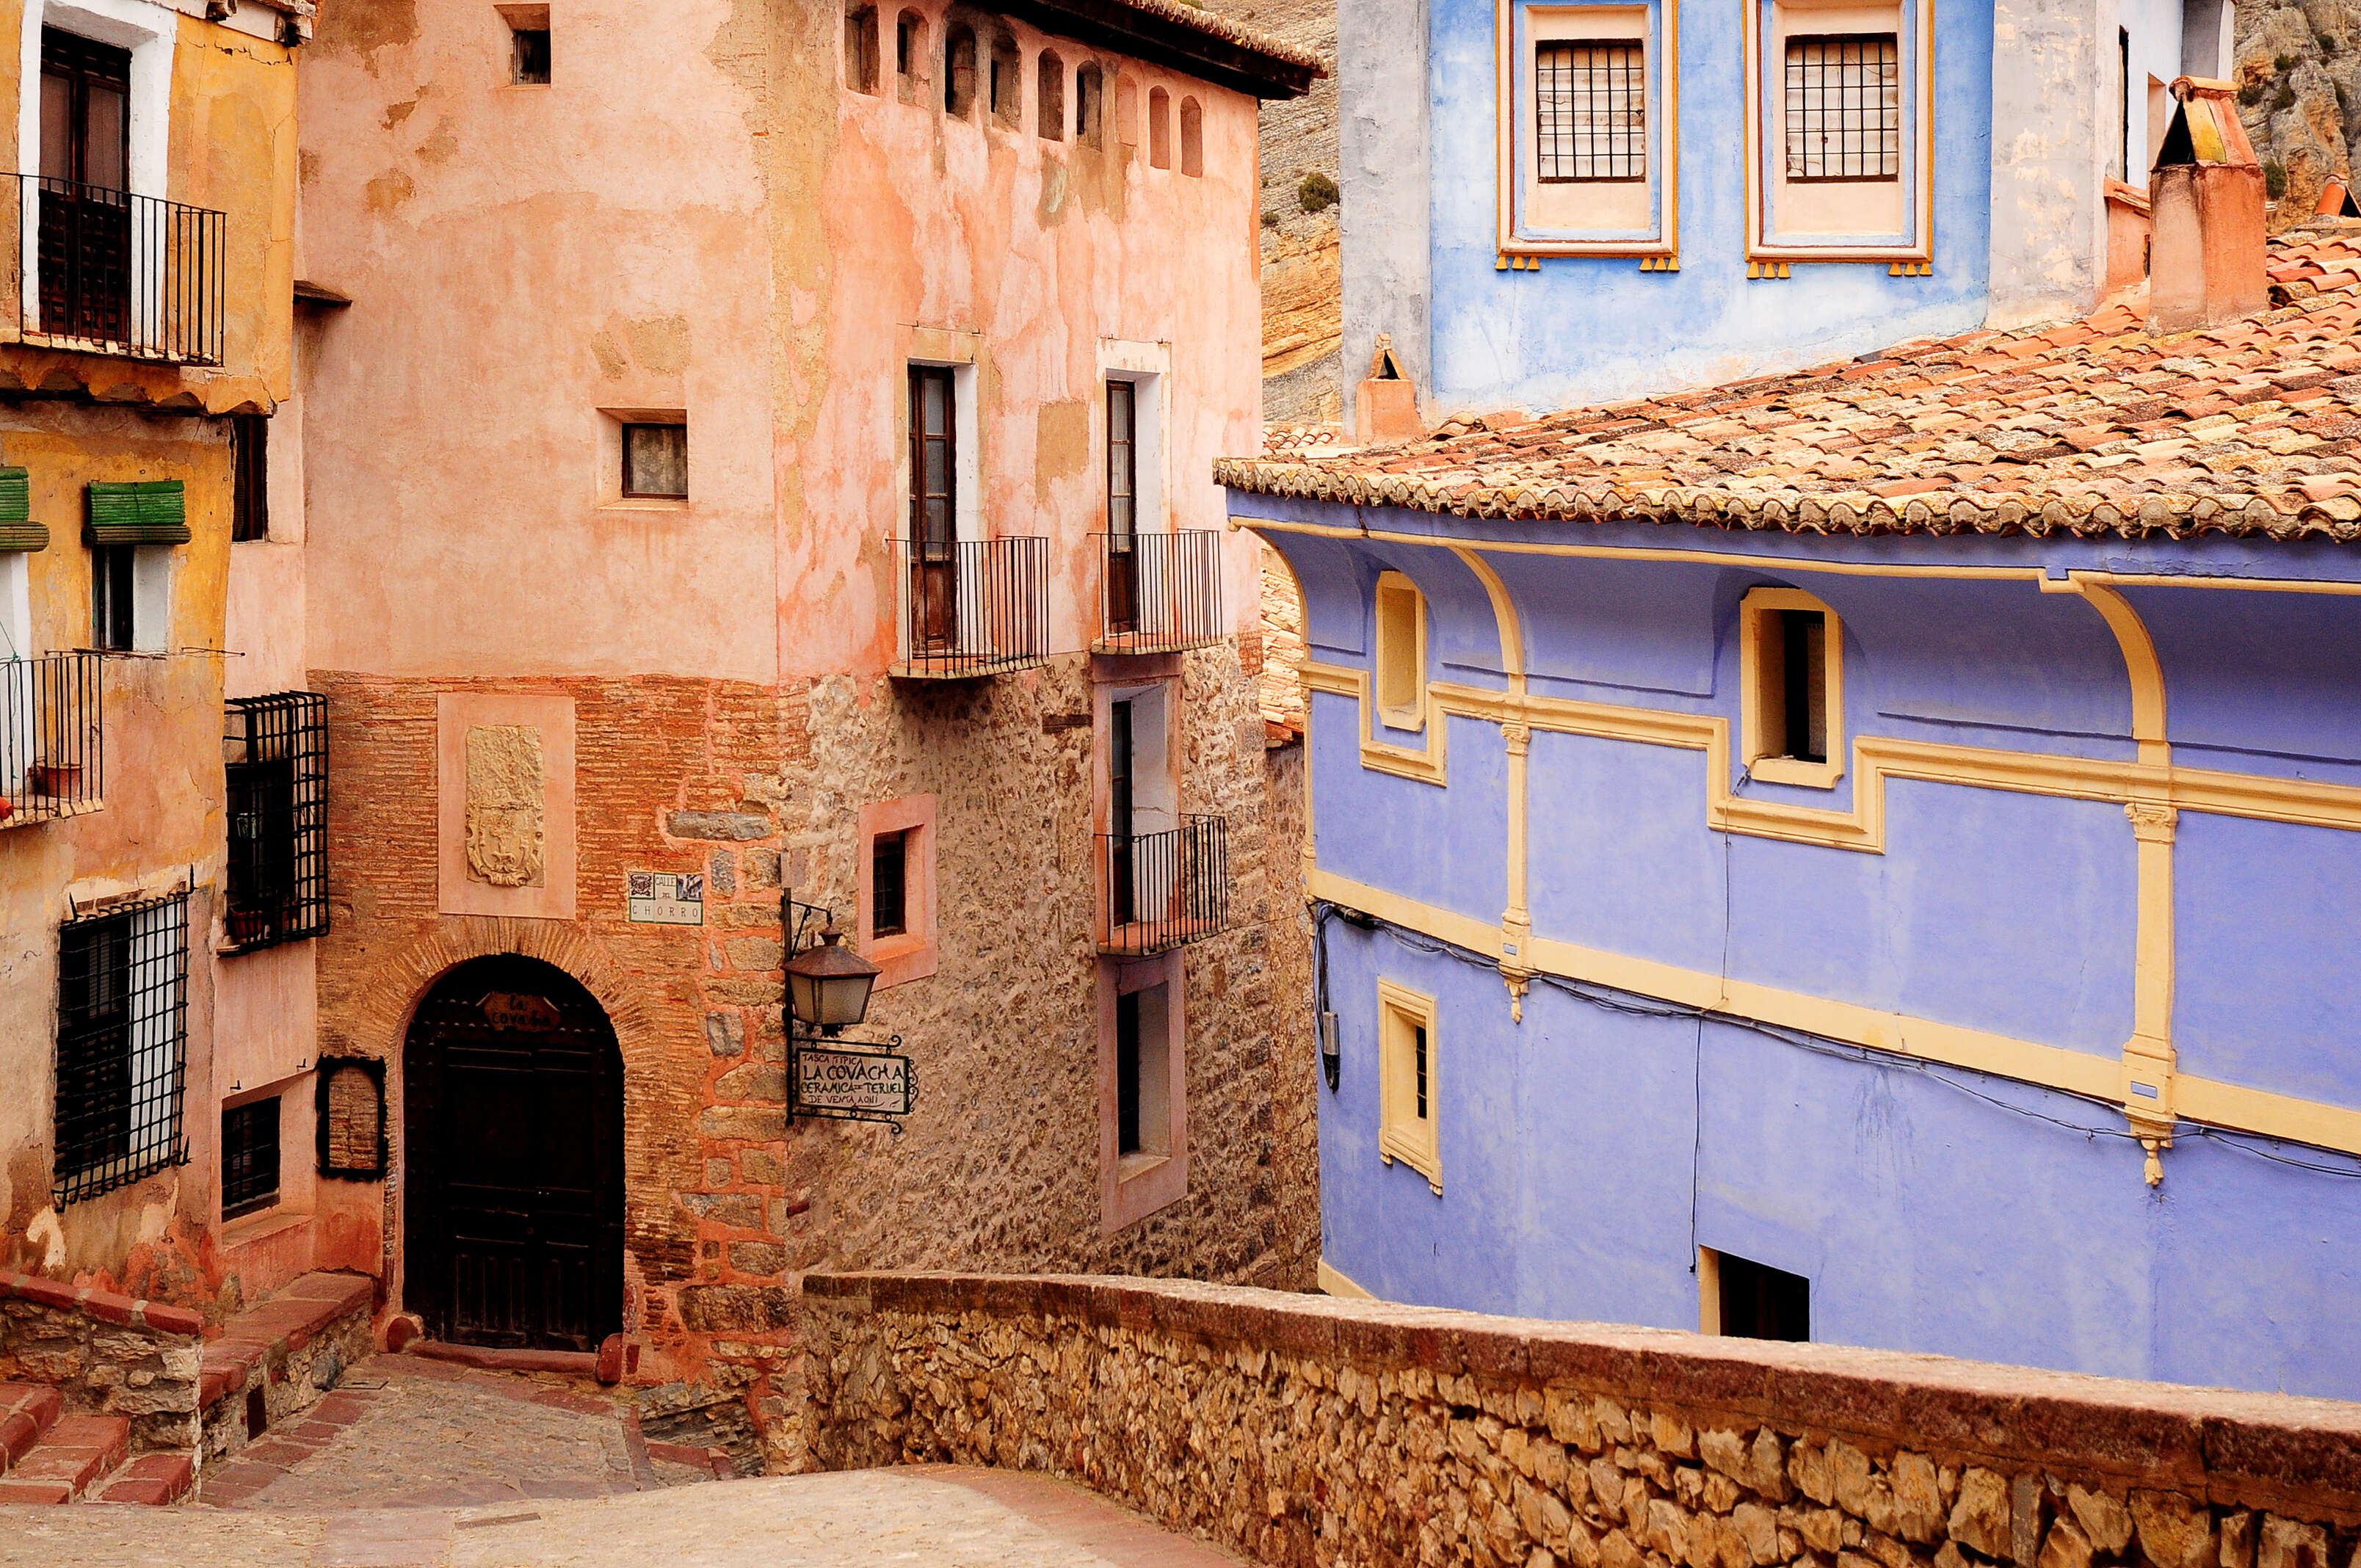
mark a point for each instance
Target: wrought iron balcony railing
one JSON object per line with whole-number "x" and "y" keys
{"x": 1158, "y": 593}
{"x": 1159, "y": 891}
{"x": 970, "y": 608}
{"x": 105, "y": 272}
{"x": 52, "y": 744}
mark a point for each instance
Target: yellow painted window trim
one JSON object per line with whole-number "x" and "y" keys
{"x": 1757, "y": 616}
{"x": 1408, "y": 717}
{"x": 1403, "y": 1134}
{"x": 1664, "y": 173}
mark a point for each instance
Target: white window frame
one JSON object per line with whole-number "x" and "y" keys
{"x": 1527, "y": 228}
{"x": 1148, "y": 367}
{"x": 1774, "y": 237}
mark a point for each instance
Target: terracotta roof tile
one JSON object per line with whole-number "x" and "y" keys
{"x": 2084, "y": 427}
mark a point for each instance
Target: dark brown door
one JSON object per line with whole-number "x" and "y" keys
{"x": 84, "y": 245}
{"x": 933, "y": 528}
{"x": 513, "y": 1116}
{"x": 1122, "y": 522}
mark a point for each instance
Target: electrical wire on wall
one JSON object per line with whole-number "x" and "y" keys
{"x": 1611, "y": 999}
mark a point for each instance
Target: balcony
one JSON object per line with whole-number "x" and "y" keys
{"x": 103, "y": 271}
{"x": 1161, "y": 891}
{"x": 52, "y": 745}
{"x": 1158, "y": 593}
{"x": 967, "y": 609}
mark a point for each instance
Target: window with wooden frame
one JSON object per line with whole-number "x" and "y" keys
{"x": 122, "y": 1045}
{"x": 1159, "y": 129}
{"x": 889, "y": 885}
{"x": 1049, "y": 96}
{"x": 1791, "y": 686}
{"x": 1585, "y": 165}
{"x": 1838, "y": 131}
{"x": 1408, "y": 1087}
{"x": 1143, "y": 1088}
{"x": 249, "y": 1158}
{"x": 131, "y": 527}
{"x": 528, "y": 44}
{"x": 1399, "y": 675}
{"x": 249, "y": 466}
{"x": 655, "y": 462}
{"x": 861, "y": 49}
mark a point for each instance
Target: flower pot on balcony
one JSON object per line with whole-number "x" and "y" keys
{"x": 246, "y": 926}
{"x": 56, "y": 778}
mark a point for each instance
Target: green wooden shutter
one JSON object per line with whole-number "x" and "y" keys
{"x": 145, "y": 511}
{"x": 17, "y": 528}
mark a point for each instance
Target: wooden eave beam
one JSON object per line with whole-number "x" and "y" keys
{"x": 1121, "y": 29}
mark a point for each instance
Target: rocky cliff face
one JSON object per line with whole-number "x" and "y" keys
{"x": 2298, "y": 74}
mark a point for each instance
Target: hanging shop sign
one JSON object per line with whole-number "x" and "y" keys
{"x": 851, "y": 1082}
{"x": 666, "y": 898}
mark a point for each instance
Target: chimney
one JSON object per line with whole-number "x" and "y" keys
{"x": 2205, "y": 255}
{"x": 1386, "y": 402}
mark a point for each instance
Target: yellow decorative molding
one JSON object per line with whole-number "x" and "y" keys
{"x": 2086, "y": 1073}
{"x": 1757, "y": 623}
{"x": 1333, "y": 1282}
{"x": 1426, "y": 763}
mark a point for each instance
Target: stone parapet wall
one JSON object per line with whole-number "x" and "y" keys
{"x": 106, "y": 1353}
{"x": 1306, "y": 1430}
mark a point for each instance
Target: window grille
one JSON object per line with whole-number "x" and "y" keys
{"x": 1592, "y": 103}
{"x": 1844, "y": 107}
{"x": 123, "y": 1013}
{"x": 249, "y": 1158}
{"x": 276, "y": 757}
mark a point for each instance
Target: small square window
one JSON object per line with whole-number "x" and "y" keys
{"x": 655, "y": 461}
{"x": 889, "y": 886}
{"x": 249, "y": 1158}
{"x": 531, "y": 56}
{"x": 1752, "y": 1300}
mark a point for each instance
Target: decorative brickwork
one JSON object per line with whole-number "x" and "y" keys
{"x": 1311, "y": 1431}
{"x": 724, "y": 1204}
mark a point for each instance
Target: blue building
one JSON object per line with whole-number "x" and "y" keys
{"x": 1869, "y": 852}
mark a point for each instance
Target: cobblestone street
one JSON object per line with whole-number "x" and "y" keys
{"x": 414, "y": 1462}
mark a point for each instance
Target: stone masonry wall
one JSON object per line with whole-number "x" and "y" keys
{"x": 1305, "y": 1431}
{"x": 725, "y": 1205}
{"x": 104, "y": 1353}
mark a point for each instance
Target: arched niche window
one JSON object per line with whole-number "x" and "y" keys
{"x": 1049, "y": 96}
{"x": 1159, "y": 129}
{"x": 861, "y": 49}
{"x": 909, "y": 56}
{"x": 1192, "y": 137}
{"x": 1090, "y": 107}
{"x": 1007, "y": 82}
{"x": 1126, "y": 112}
{"x": 959, "y": 73}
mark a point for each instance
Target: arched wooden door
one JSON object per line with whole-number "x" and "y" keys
{"x": 513, "y": 1114}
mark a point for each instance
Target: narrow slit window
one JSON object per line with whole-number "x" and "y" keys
{"x": 1143, "y": 1076}
{"x": 1193, "y": 138}
{"x": 1008, "y": 74}
{"x": 1419, "y": 1048}
{"x": 889, "y": 885}
{"x": 1591, "y": 104}
{"x": 655, "y": 461}
{"x": 860, "y": 50}
{"x": 1090, "y": 107}
{"x": 1159, "y": 129}
{"x": 959, "y": 73}
{"x": 1126, "y": 1073}
{"x": 909, "y": 50}
{"x": 1844, "y": 107}
{"x": 1803, "y": 640}
{"x": 249, "y": 461}
{"x": 249, "y": 1158}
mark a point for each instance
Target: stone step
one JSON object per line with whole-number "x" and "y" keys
{"x": 26, "y": 1411}
{"x": 74, "y": 1452}
{"x": 152, "y": 1480}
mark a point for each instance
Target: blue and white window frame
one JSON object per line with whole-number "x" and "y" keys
{"x": 1521, "y": 234}
{"x": 1909, "y": 246}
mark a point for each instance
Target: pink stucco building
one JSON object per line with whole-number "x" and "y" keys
{"x": 773, "y": 452}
